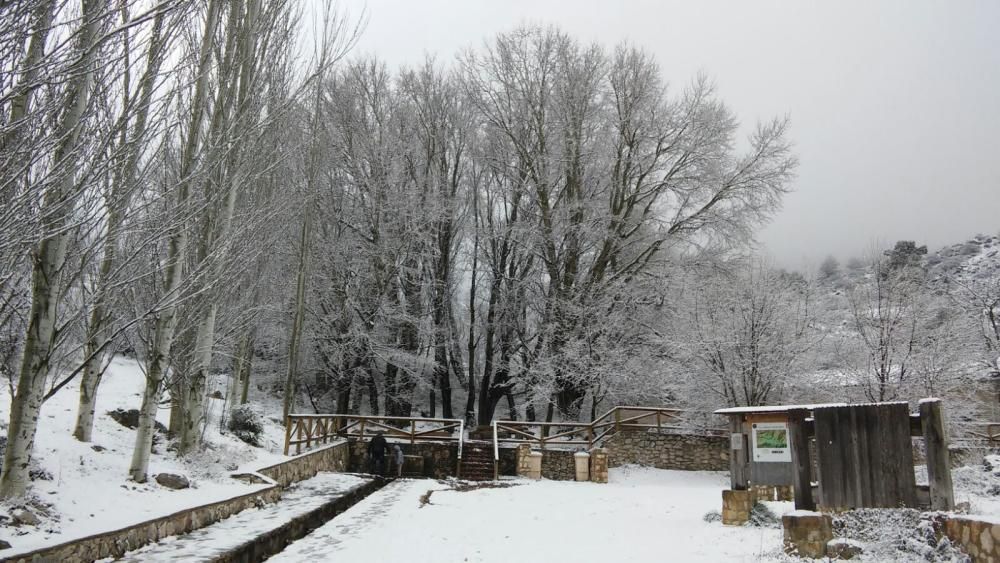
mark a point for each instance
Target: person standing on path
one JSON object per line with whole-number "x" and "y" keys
{"x": 397, "y": 453}
{"x": 376, "y": 453}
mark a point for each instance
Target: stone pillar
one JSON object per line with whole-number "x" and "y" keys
{"x": 535, "y": 465}
{"x": 523, "y": 465}
{"x": 736, "y": 507}
{"x": 581, "y": 460}
{"x": 807, "y": 533}
{"x": 599, "y": 465}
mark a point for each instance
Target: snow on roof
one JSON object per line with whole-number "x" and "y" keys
{"x": 774, "y": 408}
{"x": 785, "y": 408}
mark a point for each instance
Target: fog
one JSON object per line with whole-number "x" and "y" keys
{"x": 894, "y": 105}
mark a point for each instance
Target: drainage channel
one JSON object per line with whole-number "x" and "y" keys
{"x": 256, "y": 534}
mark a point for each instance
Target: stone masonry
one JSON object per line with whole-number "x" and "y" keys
{"x": 599, "y": 465}
{"x": 979, "y": 536}
{"x": 558, "y": 465}
{"x": 665, "y": 450}
{"x": 440, "y": 460}
{"x": 807, "y": 533}
{"x": 736, "y": 507}
{"x": 307, "y": 465}
{"x": 115, "y": 543}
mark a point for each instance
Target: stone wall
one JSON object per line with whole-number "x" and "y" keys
{"x": 979, "y": 536}
{"x": 668, "y": 450}
{"x": 334, "y": 457}
{"x": 508, "y": 461}
{"x": 440, "y": 460}
{"x": 116, "y": 543}
{"x": 558, "y": 465}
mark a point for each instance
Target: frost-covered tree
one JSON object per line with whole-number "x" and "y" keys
{"x": 743, "y": 334}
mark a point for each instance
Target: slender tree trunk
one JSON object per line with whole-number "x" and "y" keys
{"x": 166, "y": 321}
{"x": 47, "y": 264}
{"x": 20, "y": 104}
{"x": 470, "y": 400}
{"x": 121, "y": 195}
{"x": 300, "y": 312}
{"x": 194, "y": 406}
{"x": 247, "y": 370}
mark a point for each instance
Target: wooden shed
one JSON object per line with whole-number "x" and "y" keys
{"x": 863, "y": 453}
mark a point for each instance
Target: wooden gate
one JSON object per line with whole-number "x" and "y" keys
{"x": 865, "y": 456}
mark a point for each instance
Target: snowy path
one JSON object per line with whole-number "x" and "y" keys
{"x": 211, "y": 541}
{"x": 642, "y": 515}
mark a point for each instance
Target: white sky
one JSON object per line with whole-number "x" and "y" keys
{"x": 895, "y": 106}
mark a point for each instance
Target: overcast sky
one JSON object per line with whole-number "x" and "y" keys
{"x": 895, "y": 106}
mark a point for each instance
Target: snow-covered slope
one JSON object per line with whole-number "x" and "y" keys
{"x": 84, "y": 488}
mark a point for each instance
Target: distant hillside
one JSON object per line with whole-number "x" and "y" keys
{"x": 977, "y": 259}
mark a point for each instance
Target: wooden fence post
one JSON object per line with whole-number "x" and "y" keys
{"x": 737, "y": 455}
{"x": 938, "y": 458}
{"x": 798, "y": 441}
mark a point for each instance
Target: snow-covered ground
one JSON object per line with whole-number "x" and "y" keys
{"x": 641, "y": 515}
{"x": 88, "y": 492}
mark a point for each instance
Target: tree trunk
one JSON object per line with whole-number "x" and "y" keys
{"x": 247, "y": 370}
{"x": 48, "y": 261}
{"x": 125, "y": 179}
{"x": 166, "y": 320}
{"x": 193, "y": 419}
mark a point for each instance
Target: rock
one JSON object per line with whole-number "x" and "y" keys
{"x": 4, "y": 545}
{"x": 130, "y": 419}
{"x": 172, "y": 481}
{"x": 216, "y": 394}
{"x": 843, "y": 548}
{"x": 25, "y": 516}
{"x": 97, "y": 448}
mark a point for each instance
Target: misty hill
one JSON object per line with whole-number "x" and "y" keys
{"x": 977, "y": 259}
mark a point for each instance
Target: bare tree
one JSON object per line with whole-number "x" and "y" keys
{"x": 745, "y": 333}
{"x": 60, "y": 194}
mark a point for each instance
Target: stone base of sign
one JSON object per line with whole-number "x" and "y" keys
{"x": 736, "y": 507}
{"x": 807, "y": 533}
{"x": 772, "y": 492}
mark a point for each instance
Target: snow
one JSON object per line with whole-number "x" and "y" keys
{"x": 643, "y": 514}
{"x": 211, "y": 542}
{"x": 89, "y": 494}
{"x": 775, "y": 408}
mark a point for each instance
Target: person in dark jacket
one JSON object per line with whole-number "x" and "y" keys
{"x": 376, "y": 453}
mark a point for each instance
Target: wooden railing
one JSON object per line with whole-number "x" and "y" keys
{"x": 976, "y": 433}
{"x": 590, "y": 434}
{"x": 314, "y": 429}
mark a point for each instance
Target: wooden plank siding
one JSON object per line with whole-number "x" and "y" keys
{"x": 865, "y": 457}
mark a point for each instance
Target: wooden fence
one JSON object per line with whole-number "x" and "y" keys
{"x": 589, "y": 434}
{"x": 314, "y": 429}
{"x": 976, "y": 434}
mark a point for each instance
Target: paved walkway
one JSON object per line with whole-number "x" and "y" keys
{"x": 222, "y": 537}
{"x": 322, "y": 543}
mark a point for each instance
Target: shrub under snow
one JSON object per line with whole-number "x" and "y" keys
{"x": 246, "y": 424}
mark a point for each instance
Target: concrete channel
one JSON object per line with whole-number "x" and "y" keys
{"x": 256, "y": 534}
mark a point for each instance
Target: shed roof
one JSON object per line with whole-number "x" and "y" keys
{"x": 775, "y": 408}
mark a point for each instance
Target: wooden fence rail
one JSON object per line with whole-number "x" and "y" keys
{"x": 976, "y": 433}
{"x": 588, "y": 434}
{"x": 314, "y": 429}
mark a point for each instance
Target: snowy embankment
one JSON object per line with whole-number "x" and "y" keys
{"x": 84, "y": 489}
{"x": 641, "y": 515}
